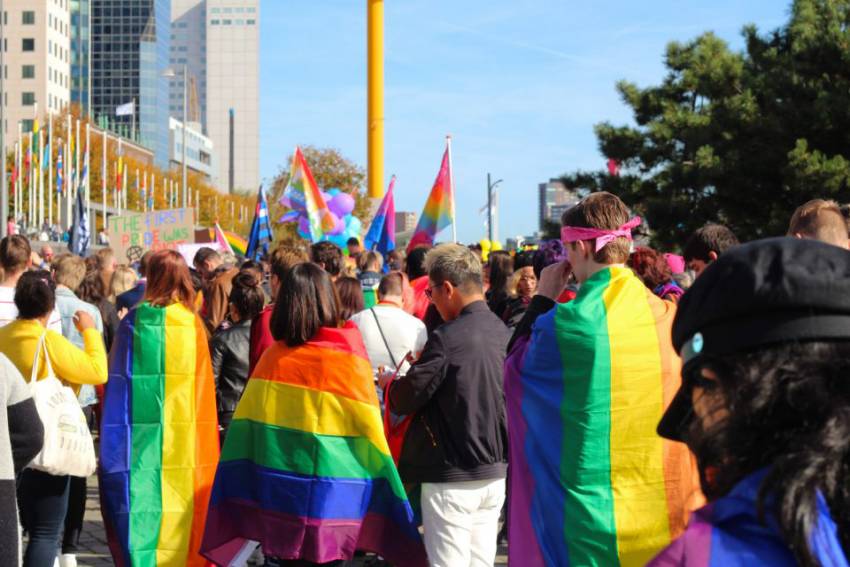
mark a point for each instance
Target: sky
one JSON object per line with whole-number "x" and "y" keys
{"x": 518, "y": 85}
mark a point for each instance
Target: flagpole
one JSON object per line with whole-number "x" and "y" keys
{"x": 87, "y": 167}
{"x": 40, "y": 183}
{"x": 18, "y": 196}
{"x": 145, "y": 194}
{"x": 31, "y": 180}
{"x": 452, "y": 187}
{"x": 50, "y": 167}
{"x": 74, "y": 187}
{"x": 124, "y": 189}
{"x": 153, "y": 191}
{"x": 104, "y": 174}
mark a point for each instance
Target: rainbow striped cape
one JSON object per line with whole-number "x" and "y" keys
{"x": 590, "y": 481}
{"x": 305, "y": 468}
{"x": 730, "y": 532}
{"x": 158, "y": 438}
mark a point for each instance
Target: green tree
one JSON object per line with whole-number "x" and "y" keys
{"x": 737, "y": 138}
{"x": 330, "y": 170}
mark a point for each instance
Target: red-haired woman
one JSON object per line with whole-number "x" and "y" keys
{"x": 652, "y": 268}
{"x": 159, "y": 438}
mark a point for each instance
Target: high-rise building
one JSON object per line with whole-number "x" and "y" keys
{"x": 405, "y": 221}
{"x": 80, "y": 54}
{"x": 189, "y": 47}
{"x": 36, "y": 34}
{"x": 218, "y": 43}
{"x": 554, "y": 198}
{"x": 130, "y": 42}
{"x": 232, "y": 90}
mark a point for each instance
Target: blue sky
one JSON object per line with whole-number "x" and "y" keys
{"x": 519, "y": 86}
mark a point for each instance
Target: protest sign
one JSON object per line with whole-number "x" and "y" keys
{"x": 134, "y": 234}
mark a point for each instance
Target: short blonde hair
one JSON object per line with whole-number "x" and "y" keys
{"x": 123, "y": 280}
{"x": 455, "y": 264}
{"x": 69, "y": 270}
{"x": 819, "y": 219}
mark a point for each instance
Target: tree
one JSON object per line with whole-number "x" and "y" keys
{"x": 737, "y": 138}
{"x": 330, "y": 170}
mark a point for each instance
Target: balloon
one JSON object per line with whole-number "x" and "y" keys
{"x": 341, "y": 204}
{"x": 339, "y": 225}
{"x": 333, "y": 192}
{"x": 353, "y": 226}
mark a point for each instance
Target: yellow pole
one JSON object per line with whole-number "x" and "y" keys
{"x": 375, "y": 114}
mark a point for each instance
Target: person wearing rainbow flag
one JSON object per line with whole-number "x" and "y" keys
{"x": 586, "y": 382}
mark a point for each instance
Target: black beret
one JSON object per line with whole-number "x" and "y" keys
{"x": 764, "y": 292}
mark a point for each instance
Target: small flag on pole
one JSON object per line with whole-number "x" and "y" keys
{"x": 303, "y": 194}
{"x": 261, "y": 230}
{"x": 438, "y": 212}
{"x": 222, "y": 239}
{"x": 59, "y": 172}
{"x": 381, "y": 235}
{"x": 127, "y": 109}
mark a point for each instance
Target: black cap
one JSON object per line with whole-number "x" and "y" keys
{"x": 764, "y": 292}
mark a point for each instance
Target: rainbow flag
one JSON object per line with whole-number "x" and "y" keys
{"x": 238, "y": 244}
{"x": 303, "y": 194}
{"x": 730, "y": 532}
{"x": 591, "y": 483}
{"x": 158, "y": 438}
{"x": 439, "y": 211}
{"x": 305, "y": 468}
{"x": 381, "y": 235}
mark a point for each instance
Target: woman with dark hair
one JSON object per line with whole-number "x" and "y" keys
{"x": 350, "y": 297}
{"x": 654, "y": 271}
{"x": 764, "y": 336}
{"x": 500, "y": 269}
{"x": 91, "y": 290}
{"x": 43, "y": 497}
{"x": 230, "y": 347}
{"x": 414, "y": 267}
{"x": 305, "y": 468}
{"x": 159, "y": 432}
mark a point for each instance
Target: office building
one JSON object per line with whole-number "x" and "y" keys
{"x": 199, "y": 148}
{"x": 554, "y": 198}
{"x": 232, "y": 90}
{"x": 37, "y": 61}
{"x": 405, "y": 221}
{"x": 81, "y": 54}
{"x": 188, "y": 47}
{"x": 129, "y": 57}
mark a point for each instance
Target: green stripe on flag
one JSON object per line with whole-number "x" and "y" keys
{"x": 308, "y": 454}
{"x": 147, "y": 416}
{"x": 582, "y": 331}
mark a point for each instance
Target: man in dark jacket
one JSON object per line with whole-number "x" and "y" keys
{"x": 456, "y": 445}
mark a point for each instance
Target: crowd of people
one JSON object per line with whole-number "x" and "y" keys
{"x": 590, "y": 400}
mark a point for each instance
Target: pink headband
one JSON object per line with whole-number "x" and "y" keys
{"x": 602, "y": 236}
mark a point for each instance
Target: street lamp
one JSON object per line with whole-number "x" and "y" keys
{"x": 490, "y": 187}
{"x": 170, "y": 74}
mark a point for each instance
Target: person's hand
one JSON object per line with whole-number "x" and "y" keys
{"x": 553, "y": 279}
{"x": 385, "y": 377}
{"x": 121, "y": 312}
{"x": 83, "y": 321}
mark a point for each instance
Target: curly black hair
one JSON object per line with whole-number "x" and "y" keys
{"x": 785, "y": 408}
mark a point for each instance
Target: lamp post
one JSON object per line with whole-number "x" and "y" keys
{"x": 490, "y": 187}
{"x": 170, "y": 73}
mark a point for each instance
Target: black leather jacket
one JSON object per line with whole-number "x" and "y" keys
{"x": 230, "y": 364}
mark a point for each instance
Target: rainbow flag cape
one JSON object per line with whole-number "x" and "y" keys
{"x": 381, "y": 235}
{"x": 158, "y": 438}
{"x": 591, "y": 483}
{"x": 438, "y": 212}
{"x": 305, "y": 468}
{"x": 729, "y": 532}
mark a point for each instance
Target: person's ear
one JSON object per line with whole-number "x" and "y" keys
{"x": 584, "y": 249}
{"x": 712, "y": 256}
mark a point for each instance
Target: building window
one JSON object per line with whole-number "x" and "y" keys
{"x": 215, "y": 22}
{"x": 251, "y": 9}
{"x": 240, "y": 10}
{"x": 226, "y": 22}
{"x": 28, "y": 72}
{"x": 28, "y": 18}
{"x": 251, "y": 22}
{"x": 28, "y": 44}
{"x": 228, "y": 10}
{"x": 239, "y": 22}
{"x": 27, "y": 99}
{"x": 216, "y": 10}
{"x": 26, "y": 126}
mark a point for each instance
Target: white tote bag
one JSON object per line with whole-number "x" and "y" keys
{"x": 68, "y": 446}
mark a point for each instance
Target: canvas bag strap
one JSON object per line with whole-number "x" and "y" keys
{"x": 380, "y": 330}
{"x": 42, "y": 345}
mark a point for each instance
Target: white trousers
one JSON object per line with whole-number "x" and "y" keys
{"x": 461, "y": 522}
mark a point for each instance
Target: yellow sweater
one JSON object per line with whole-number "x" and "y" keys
{"x": 19, "y": 339}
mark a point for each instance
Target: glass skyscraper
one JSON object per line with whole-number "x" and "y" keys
{"x": 80, "y": 51}
{"x": 130, "y": 45}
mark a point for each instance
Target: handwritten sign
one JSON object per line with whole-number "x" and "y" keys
{"x": 134, "y": 234}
